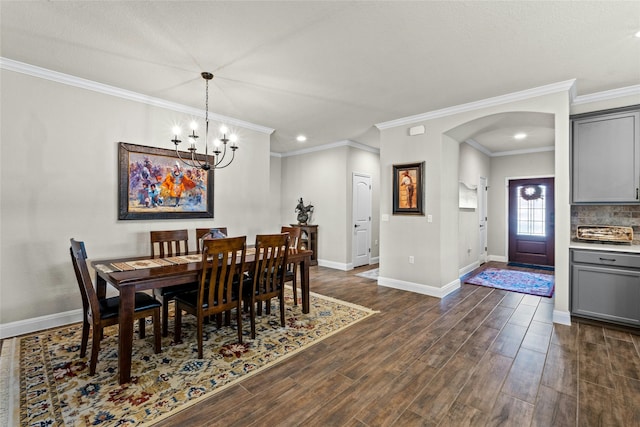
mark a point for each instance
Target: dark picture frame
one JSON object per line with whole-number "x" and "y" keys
{"x": 408, "y": 189}
{"x": 155, "y": 184}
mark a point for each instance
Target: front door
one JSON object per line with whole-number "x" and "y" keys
{"x": 361, "y": 219}
{"x": 531, "y": 217}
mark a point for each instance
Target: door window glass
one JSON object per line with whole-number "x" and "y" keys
{"x": 531, "y": 212}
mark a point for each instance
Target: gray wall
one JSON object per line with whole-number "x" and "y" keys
{"x": 59, "y": 180}
{"x": 324, "y": 179}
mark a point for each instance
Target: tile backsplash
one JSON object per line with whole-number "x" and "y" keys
{"x": 623, "y": 215}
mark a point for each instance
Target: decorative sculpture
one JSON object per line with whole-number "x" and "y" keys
{"x": 304, "y": 212}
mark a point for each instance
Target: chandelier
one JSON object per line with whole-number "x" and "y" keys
{"x": 218, "y": 153}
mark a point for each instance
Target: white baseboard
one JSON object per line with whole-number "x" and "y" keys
{"x": 562, "y": 317}
{"x": 469, "y": 268}
{"x": 335, "y": 265}
{"x": 498, "y": 258}
{"x": 35, "y": 324}
{"x": 374, "y": 260}
{"x": 420, "y": 288}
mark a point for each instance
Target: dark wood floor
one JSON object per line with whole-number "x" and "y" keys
{"x": 480, "y": 357}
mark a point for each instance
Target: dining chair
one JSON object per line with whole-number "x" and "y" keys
{"x": 100, "y": 313}
{"x": 169, "y": 243}
{"x": 202, "y": 233}
{"x": 266, "y": 281}
{"x": 220, "y": 287}
{"x": 291, "y": 273}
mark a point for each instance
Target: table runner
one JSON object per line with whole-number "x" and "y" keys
{"x": 138, "y": 264}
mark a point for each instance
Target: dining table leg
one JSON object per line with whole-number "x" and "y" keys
{"x": 304, "y": 282}
{"x": 101, "y": 287}
{"x": 125, "y": 334}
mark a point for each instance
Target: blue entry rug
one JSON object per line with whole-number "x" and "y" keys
{"x": 516, "y": 281}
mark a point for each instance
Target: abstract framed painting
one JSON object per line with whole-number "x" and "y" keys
{"x": 155, "y": 184}
{"x": 408, "y": 189}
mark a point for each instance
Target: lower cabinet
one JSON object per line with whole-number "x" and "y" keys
{"x": 606, "y": 286}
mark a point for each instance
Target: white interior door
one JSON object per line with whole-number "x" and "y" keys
{"x": 482, "y": 216}
{"x": 361, "y": 242}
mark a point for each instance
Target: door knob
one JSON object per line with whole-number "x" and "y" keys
{"x": 357, "y": 225}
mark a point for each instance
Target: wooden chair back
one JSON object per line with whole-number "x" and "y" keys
{"x": 223, "y": 261}
{"x": 169, "y": 243}
{"x": 90, "y": 303}
{"x": 294, "y": 235}
{"x": 202, "y": 233}
{"x": 271, "y": 259}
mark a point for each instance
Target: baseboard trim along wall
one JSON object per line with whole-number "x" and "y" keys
{"x": 498, "y": 258}
{"x": 35, "y": 324}
{"x": 468, "y": 269}
{"x": 335, "y": 265}
{"x": 562, "y": 317}
{"x": 419, "y": 288}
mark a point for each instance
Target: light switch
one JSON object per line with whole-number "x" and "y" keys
{"x": 429, "y": 218}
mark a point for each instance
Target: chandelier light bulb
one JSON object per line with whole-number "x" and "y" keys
{"x": 193, "y": 125}
{"x": 233, "y": 138}
{"x": 176, "y": 130}
{"x": 224, "y": 129}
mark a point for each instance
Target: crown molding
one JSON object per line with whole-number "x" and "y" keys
{"x": 476, "y": 105}
{"x": 43, "y": 73}
{"x": 525, "y": 151}
{"x": 479, "y": 147}
{"x": 607, "y": 95}
{"x": 345, "y": 143}
{"x": 484, "y": 149}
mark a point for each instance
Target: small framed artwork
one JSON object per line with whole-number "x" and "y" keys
{"x": 155, "y": 184}
{"x": 408, "y": 189}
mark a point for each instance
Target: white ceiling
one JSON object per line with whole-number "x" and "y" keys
{"x": 331, "y": 70}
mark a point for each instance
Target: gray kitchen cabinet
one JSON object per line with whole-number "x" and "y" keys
{"x": 606, "y": 286}
{"x": 606, "y": 157}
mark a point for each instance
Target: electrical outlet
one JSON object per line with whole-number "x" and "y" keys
{"x": 429, "y": 218}
{"x": 411, "y": 259}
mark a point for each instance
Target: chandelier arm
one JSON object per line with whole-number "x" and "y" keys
{"x": 224, "y": 153}
{"x": 230, "y": 160}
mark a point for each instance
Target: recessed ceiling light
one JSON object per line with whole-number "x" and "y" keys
{"x": 301, "y": 138}
{"x": 520, "y": 135}
{"x": 637, "y": 34}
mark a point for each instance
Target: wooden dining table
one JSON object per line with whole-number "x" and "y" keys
{"x": 132, "y": 281}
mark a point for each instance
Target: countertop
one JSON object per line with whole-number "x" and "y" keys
{"x": 611, "y": 247}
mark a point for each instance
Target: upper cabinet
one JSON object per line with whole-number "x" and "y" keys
{"x": 606, "y": 156}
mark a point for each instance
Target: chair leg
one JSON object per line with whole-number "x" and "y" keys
{"x": 239, "y": 322}
{"x": 85, "y": 338}
{"x": 252, "y": 316}
{"x": 282, "y": 308}
{"x": 295, "y": 285}
{"x": 141, "y": 324}
{"x": 157, "y": 332}
{"x": 165, "y": 317}
{"x": 268, "y": 303}
{"x": 199, "y": 332}
{"x": 95, "y": 349}
{"x": 177, "y": 332}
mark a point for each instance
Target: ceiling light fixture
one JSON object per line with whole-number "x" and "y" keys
{"x": 301, "y": 138}
{"x": 637, "y": 34}
{"x": 216, "y": 158}
{"x": 520, "y": 135}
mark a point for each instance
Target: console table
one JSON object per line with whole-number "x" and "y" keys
{"x": 309, "y": 240}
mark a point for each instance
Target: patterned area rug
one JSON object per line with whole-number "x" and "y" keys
{"x": 517, "y": 281}
{"x": 50, "y": 384}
